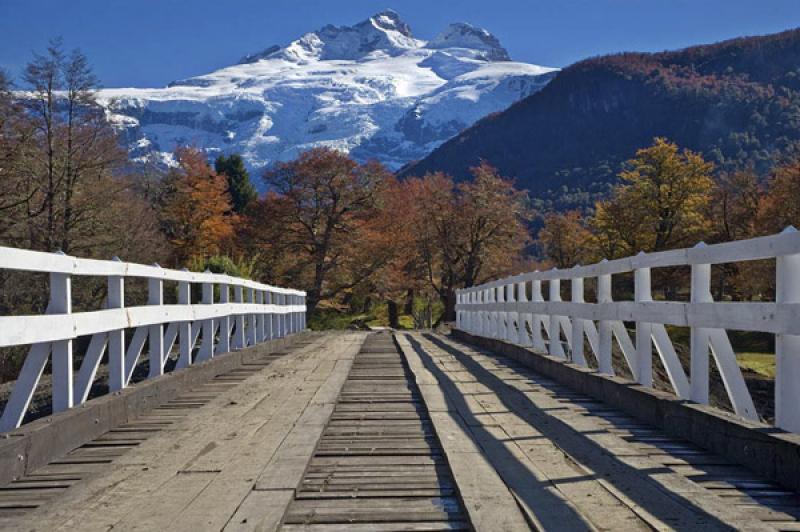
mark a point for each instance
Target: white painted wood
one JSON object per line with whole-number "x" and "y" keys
{"x": 604, "y": 360}
{"x": 787, "y": 347}
{"x": 134, "y": 351}
{"x": 225, "y": 321}
{"x": 486, "y": 309}
{"x": 699, "y": 337}
{"x": 252, "y": 334}
{"x": 89, "y": 365}
{"x": 155, "y": 337}
{"x": 206, "y": 351}
{"x": 554, "y": 331}
{"x": 185, "y": 340}
{"x": 116, "y": 337}
{"x": 669, "y": 358}
{"x": 25, "y": 387}
{"x": 238, "y": 331}
{"x": 578, "y": 324}
{"x": 731, "y": 374}
{"x": 644, "y": 330}
{"x": 62, "y": 381}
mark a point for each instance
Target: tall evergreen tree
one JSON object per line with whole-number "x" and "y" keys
{"x": 239, "y": 185}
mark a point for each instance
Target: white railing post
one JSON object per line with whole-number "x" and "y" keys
{"x": 644, "y": 330}
{"x": 185, "y": 327}
{"x": 155, "y": 296}
{"x": 502, "y": 315}
{"x": 206, "y": 351}
{"x": 512, "y": 325}
{"x": 261, "y": 332}
{"x": 458, "y": 311}
{"x": 538, "y": 321}
{"x": 238, "y": 332}
{"x": 699, "y": 337}
{"x": 268, "y": 316}
{"x": 578, "y": 324}
{"x": 116, "y": 338}
{"x": 523, "y": 318}
{"x": 224, "y": 345}
{"x": 61, "y": 303}
{"x": 604, "y": 359}
{"x": 276, "y": 326}
{"x": 556, "y": 349}
{"x": 252, "y": 334}
{"x": 787, "y": 347}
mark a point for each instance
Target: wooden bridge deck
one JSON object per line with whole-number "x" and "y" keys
{"x": 344, "y": 431}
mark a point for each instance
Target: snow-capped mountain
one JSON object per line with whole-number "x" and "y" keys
{"x": 371, "y": 89}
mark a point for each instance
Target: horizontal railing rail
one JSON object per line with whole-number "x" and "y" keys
{"x": 233, "y": 313}
{"x": 502, "y": 309}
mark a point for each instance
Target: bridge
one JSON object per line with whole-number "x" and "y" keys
{"x": 199, "y": 401}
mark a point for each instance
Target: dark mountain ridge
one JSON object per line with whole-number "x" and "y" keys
{"x": 737, "y": 102}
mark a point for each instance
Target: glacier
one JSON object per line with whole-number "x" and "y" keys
{"x": 372, "y": 90}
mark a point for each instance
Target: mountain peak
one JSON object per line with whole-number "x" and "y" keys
{"x": 464, "y": 35}
{"x": 384, "y": 31}
{"x": 389, "y": 20}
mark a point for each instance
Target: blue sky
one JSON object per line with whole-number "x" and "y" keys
{"x": 151, "y": 42}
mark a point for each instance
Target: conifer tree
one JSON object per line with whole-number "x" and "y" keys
{"x": 240, "y": 187}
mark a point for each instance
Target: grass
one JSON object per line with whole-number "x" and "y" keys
{"x": 327, "y": 318}
{"x": 761, "y": 363}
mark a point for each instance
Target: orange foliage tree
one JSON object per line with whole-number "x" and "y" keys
{"x": 318, "y": 225}
{"x": 197, "y": 214}
{"x": 464, "y": 234}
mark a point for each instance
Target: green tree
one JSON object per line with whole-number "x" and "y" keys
{"x": 240, "y": 187}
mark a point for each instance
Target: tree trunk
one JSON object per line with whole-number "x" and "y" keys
{"x": 393, "y": 317}
{"x": 449, "y": 302}
{"x": 408, "y": 308}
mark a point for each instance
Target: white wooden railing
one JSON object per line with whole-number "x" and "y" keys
{"x": 219, "y": 323}
{"x": 501, "y": 309}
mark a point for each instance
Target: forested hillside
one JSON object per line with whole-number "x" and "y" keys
{"x": 737, "y": 102}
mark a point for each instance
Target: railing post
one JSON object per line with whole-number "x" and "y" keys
{"x": 251, "y": 319}
{"x": 184, "y": 327}
{"x": 268, "y": 316}
{"x": 512, "y": 334}
{"x": 537, "y": 297}
{"x": 62, "y": 378}
{"x": 276, "y": 326}
{"x": 787, "y": 347}
{"x": 155, "y": 296}
{"x": 502, "y": 315}
{"x": 238, "y": 333}
{"x": 116, "y": 339}
{"x": 261, "y": 334}
{"x": 523, "y": 318}
{"x": 458, "y": 311}
{"x": 556, "y": 349}
{"x": 604, "y": 359}
{"x": 224, "y": 345}
{"x": 699, "y": 337}
{"x": 578, "y": 324}
{"x": 206, "y": 351}
{"x": 644, "y": 345}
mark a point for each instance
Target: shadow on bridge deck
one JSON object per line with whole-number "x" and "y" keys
{"x": 618, "y": 488}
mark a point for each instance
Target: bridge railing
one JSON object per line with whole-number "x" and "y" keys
{"x": 502, "y": 309}
{"x": 233, "y": 313}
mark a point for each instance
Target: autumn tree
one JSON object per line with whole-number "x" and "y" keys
{"x": 317, "y": 220}
{"x": 466, "y": 233}
{"x": 661, "y": 203}
{"x": 564, "y": 239}
{"x": 197, "y": 213}
{"x": 240, "y": 188}
{"x": 780, "y": 206}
